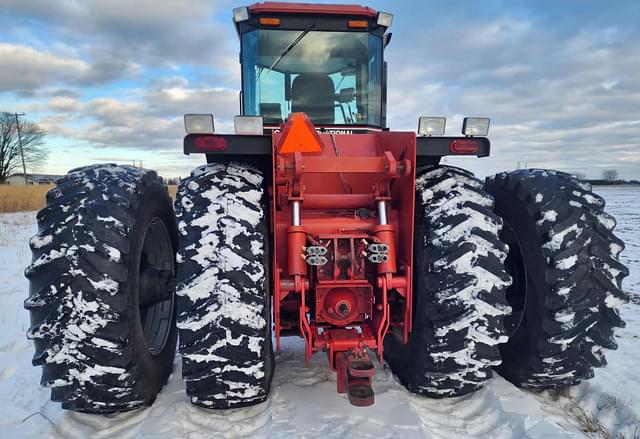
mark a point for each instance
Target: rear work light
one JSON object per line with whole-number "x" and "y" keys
{"x": 475, "y": 126}
{"x": 268, "y": 21}
{"x": 464, "y": 146}
{"x": 248, "y": 125}
{"x": 210, "y": 143}
{"x": 240, "y": 14}
{"x": 198, "y": 123}
{"x": 385, "y": 19}
{"x": 431, "y": 126}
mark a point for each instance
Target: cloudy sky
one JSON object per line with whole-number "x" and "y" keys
{"x": 110, "y": 80}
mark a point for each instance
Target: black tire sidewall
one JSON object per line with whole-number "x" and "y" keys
{"x": 270, "y": 363}
{"x": 521, "y": 347}
{"x": 154, "y": 370}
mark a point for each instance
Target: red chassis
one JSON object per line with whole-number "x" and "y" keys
{"x": 342, "y": 223}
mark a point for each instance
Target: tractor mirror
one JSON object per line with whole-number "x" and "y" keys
{"x": 386, "y": 39}
{"x": 346, "y": 95}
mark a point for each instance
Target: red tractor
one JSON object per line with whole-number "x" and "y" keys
{"x": 315, "y": 220}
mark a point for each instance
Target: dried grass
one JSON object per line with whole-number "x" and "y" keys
{"x": 587, "y": 421}
{"x": 172, "y": 191}
{"x": 22, "y": 198}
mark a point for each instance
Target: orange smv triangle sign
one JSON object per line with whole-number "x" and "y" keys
{"x": 299, "y": 135}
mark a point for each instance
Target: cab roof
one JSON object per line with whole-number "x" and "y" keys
{"x": 309, "y": 8}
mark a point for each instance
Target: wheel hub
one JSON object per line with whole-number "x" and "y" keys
{"x": 156, "y": 286}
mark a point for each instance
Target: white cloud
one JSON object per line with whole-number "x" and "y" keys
{"x": 64, "y": 104}
{"x": 176, "y": 101}
{"x": 25, "y": 68}
{"x": 149, "y": 119}
{"x": 151, "y": 32}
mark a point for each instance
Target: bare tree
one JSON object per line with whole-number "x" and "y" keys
{"x": 11, "y": 148}
{"x": 610, "y": 175}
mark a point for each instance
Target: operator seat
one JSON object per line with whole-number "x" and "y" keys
{"x": 314, "y": 94}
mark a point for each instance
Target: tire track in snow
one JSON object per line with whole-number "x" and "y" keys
{"x": 250, "y": 422}
{"x": 304, "y": 402}
{"x": 476, "y": 415}
{"x": 609, "y": 399}
{"x": 171, "y": 416}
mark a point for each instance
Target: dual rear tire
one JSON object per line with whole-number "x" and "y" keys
{"x": 519, "y": 274}
{"x": 102, "y": 288}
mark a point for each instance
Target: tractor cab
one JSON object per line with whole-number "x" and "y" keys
{"x": 322, "y": 60}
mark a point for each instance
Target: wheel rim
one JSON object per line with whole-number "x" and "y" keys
{"x": 156, "y": 286}
{"x": 517, "y": 292}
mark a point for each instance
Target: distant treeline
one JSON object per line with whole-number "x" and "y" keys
{"x": 602, "y": 182}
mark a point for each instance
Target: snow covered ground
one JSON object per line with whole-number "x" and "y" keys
{"x": 304, "y": 402}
